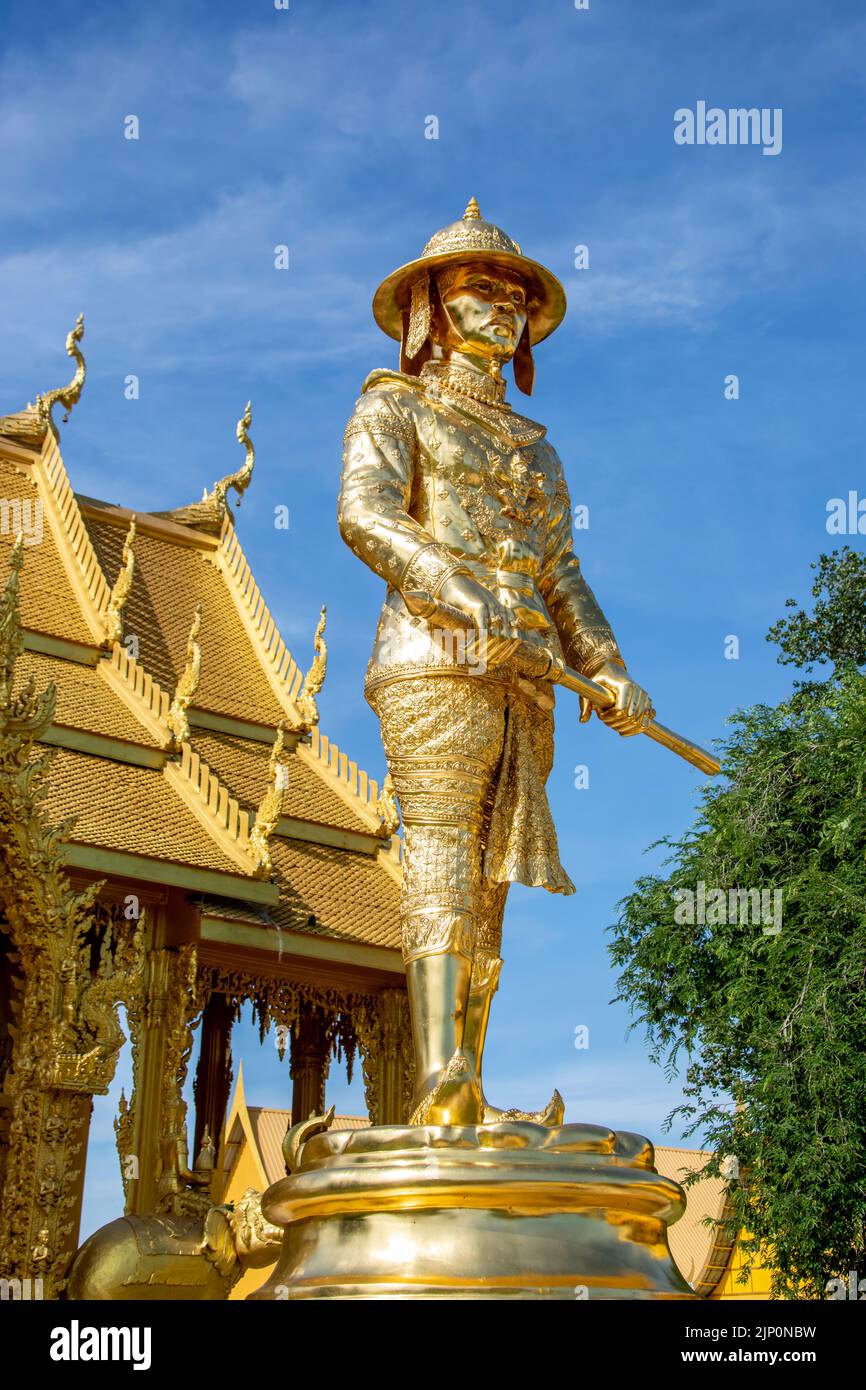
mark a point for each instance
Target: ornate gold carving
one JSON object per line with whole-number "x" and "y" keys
{"x": 380, "y": 424}
{"x": 270, "y": 806}
{"x": 463, "y": 381}
{"x": 86, "y": 1043}
{"x": 69, "y": 395}
{"x": 428, "y": 933}
{"x": 494, "y": 416}
{"x": 74, "y": 962}
{"x": 120, "y": 591}
{"x": 165, "y": 1013}
{"x": 387, "y": 807}
{"x": 315, "y": 677}
{"x": 419, "y": 317}
{"x": 187, "y": 685}
{"x": 353, "y": 1021}
{"x": 24, "y": 717}
{"x": 30, "y": 426}
{"x": 213, "y": 510}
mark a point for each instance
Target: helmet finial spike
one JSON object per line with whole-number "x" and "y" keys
{"x": 473, "y": 211}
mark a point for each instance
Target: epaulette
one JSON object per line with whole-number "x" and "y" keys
{"x": 383, "y": 377}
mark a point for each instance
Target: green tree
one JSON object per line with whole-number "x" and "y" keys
{"x": 772, "y": 1027}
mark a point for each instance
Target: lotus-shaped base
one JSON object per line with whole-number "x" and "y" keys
{"x": 508, "y": 1210}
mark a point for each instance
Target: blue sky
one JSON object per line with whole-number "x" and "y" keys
{"x": 306, "y": 127}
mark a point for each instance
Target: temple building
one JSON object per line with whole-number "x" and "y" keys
{"x": 217, "y": 847}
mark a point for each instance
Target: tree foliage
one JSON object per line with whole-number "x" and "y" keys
{"x": 772, "y": 1027}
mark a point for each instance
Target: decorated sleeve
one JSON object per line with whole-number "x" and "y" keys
{"x": 379, "y": 453}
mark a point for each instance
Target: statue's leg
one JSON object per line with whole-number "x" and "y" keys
{"x": 442, "y": 737}
{"x": 487, "y": 966}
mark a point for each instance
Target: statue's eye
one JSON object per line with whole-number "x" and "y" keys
{"x": 482, "y": 285}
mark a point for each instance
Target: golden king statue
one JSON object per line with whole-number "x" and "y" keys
{"x": 460, "y": 504}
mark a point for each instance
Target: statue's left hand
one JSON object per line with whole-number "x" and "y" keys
{"x": 634, "y": 707}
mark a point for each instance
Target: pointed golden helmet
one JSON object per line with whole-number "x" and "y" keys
{"x": 471, "y": 239}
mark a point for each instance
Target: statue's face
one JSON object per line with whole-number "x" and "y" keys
{"x": 486, "y": 306}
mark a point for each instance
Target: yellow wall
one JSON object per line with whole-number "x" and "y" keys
{"x": 757, "y": 1286}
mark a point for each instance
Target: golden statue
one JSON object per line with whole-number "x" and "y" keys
{"x": 461, "y": 505}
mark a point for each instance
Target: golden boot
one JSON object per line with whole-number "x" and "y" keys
{"x": 447, "y": 1091}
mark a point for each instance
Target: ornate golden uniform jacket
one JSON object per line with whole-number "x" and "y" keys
{"x": 433, "y": 476}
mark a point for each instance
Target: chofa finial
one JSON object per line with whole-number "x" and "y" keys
{"x": 31, "y": 426}
{"x": 210, "y": 513}
{"x": 314, "y": 679}
{"x": 67, "y": 396}
{"x": 473, "y": 211}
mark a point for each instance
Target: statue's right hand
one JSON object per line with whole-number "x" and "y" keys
{"x": 483, "y": 612}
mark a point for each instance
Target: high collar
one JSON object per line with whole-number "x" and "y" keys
{"x": 465, "y": 381}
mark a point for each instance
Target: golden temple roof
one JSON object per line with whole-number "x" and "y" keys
{"x": 111, "y": 629}
{"x": 242, "y": 764}
{"x": 84, "y": 700}
{"x": 693, "y": 1239}
{"x": 171, "y": 577}
{"x": 132, "y": 809}
{"x": 346, "y": 894}
{"x": 48, "y": 601}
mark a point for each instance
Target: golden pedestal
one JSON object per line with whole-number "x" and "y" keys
{"x": 509, "y": 1210}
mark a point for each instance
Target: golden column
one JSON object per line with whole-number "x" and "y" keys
{"x": 309, "y": 1062}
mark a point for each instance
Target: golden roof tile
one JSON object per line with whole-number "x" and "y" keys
{"x": 691, "y": 1240}
{"x": 342, "y": 775}
{"x": 242, "y": 764}
{"x": 48, "y": 600}
{"x": 133, "y": 810}
{"x": 84, "y": 701}
{"x": 170, "y": 580}
{"x": 335, "y": 893}
{"x": 207, "y": 797}
{"x": 283, "y": 671}
{"x": 138, "y": 690}
{"x": 78, "y": 556}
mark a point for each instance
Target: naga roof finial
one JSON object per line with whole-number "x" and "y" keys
{"x": 210, "y": 513}
{"x": 24, "y": 715}
{"x": 315, "y": 678}
{"x": 30, "y": 426}
{"x": 188, "y": 683}
{"x": 120, "y": 591}
{"x": 270, "y": 806}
